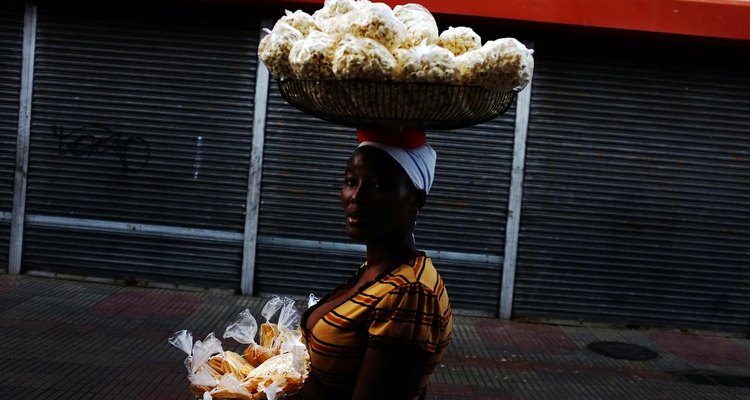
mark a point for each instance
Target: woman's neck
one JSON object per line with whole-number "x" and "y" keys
{"x": 388, "y": 254}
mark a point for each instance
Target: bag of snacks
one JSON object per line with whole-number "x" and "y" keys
{"x": 419, "y": 23}
{"x": 244, "y": 330}
{"x": 274, "y": 48}
{"x": 266, "y": 371}
{"x": 312, "y": 57}
{"x": 500, "y": 65}
{"x": 459, "y": 40}
{"x": 203, "y": 373}
{"x": 299, "y": 20}
{"x": 427, "y": 63}
{"x": 363, "y": 58}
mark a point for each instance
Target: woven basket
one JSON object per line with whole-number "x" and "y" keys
{"x": 395, "y": 104}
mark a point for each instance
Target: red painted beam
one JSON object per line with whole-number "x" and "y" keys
{"x": 727, "y": 19}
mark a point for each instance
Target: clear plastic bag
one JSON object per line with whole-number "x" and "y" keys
{"x": 419, "y": 23}
{"x": 333, "y": 8}
{"x": 243, "y": 330}
{"x": 274, "y": 49}
{"x": 363, "y": 58}
{"x": 269, "y": 330}
{"x": 260, "y": 373}
{"x": 300, "y": 20}
{"x": 230, "y": 387}
{"x": 500, "y": 65}
{"x": 427, "y": 63}
{"x": 375, "y": 21}
{"x": 202, "y": 374}
{"x": 312, "y": 57}
{"x": 459, "y": 40}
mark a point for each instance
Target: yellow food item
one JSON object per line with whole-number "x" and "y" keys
{"x": 268, "y": 334}
{"x": 255, "y": 354}
{"x": 236, "y": 364}
{"x": 215, "y": 363}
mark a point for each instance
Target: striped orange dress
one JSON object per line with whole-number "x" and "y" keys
{"x": 409, "y": 305}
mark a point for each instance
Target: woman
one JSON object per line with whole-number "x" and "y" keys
{"x": 381, "y": 334}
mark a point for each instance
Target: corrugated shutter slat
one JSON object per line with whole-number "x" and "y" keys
{"x": 146, "y": 120}
{"x": 637, "y": 188}
{"x": 11, "y": 48}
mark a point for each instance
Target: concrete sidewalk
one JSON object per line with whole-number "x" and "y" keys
{"x": 64, "y": 339}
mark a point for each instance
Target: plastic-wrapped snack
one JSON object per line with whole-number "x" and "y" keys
{"x": 312, "y": 57}
{"x": 427, "y": 63}
{"x": 500, "y": 65}
{"x": 363, "y": 58}
{"x": 377, "y": 22}
{"x": 276, "y": 365}
{"x": 299, "y": 20}
{"x": 326, "y": 17}
{"x": 234, "y": 363}
{"x": 459, "y": 40}
{"x": 230, "y": 387}
{"x": 204, "y": 379}
{"x": 419, "y": 22}
{"x": 268, "y": 330}
{"x": 274, "y": 48}
{"x": 243, "y": 330}
{"x": 290, "y": 334}
{"x": 284, "y": 372}
{"x": 216, "y": 363}
{"x": 201, "y": 373}
{"x": 334, "y": 8}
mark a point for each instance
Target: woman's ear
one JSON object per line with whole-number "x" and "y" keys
{"x": 420, "y": 197}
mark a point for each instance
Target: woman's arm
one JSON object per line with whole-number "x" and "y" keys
{"x": 390, "y": 371}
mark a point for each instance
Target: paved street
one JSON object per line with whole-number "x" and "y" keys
{"x": 65, "y": 339}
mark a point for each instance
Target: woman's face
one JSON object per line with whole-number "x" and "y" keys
{"x": 377, "y": 197}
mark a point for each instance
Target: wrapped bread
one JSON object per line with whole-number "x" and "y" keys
{"x": 276, "y": 365}
{"x": 230, "y": 387}
{"x": 500, "y": 65}
{"x": 459, "y": 40}
{"x": 268, "y": 334}
{"x": 235, "y": 364}
{"x": 216, "y": 363}
{"x": 299, "y": 20}
{"x": 256, "y": 354}
{"x": 363, "y": 58}
{"x": 275, "y": 369}
{"x": 427, "y": 63}
{"x": 274, "y": 49}
{"x": 204, "y": 379}
{"x": 419, "y": 23}
{"x": 312, "y": 57}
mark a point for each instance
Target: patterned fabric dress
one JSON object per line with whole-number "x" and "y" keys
{"x": 408, "y": 305}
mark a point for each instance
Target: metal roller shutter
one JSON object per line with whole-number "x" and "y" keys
{"x": 11, "y": 46}
{"x": 140, "y": 144}
{"x": 302, "y": 245}
{"x": 637, "y": 186}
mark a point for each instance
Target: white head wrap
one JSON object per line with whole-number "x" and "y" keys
{"x": 419, "y": 162}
